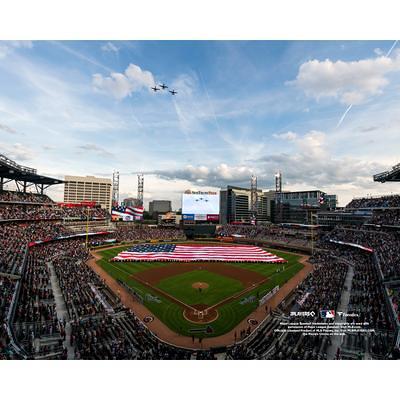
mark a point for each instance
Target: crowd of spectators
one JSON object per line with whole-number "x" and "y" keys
{"x": 130, "y": 232}
{"x": 35, "y": 314}
{"x": 20, "y": 197}
{"x": 121, "y": 337}
{"x": 394, "y": 295}
{"x": 50, "y": 212}
{"x": 7, "y": 287}
{"x": 72, "y": 272}
{"x": 386, "y": 246}
{"x": 14, "y": 240}
{"x": 386, "y": 217}
{"x": 375, "y": 202}
{"x": 324, "y": 285}
{"x": 368, "y": 302}
{"x": 272, "y": 233}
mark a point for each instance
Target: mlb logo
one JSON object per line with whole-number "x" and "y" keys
{"x": 327, "y": 313}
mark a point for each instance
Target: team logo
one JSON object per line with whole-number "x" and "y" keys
{"x": 148, "y": 319}
{"x": 327, "y": 313}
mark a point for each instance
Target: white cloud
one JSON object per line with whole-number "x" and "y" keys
{"x": 7, "y": 129}
{"x": 8, "y": 46}
{"x": 121, "y": 85}
{"x": 219, "y": 175}
{"x": 312, "y": 164}
{"x": 116, "y": 84}
{"x": 92, "y": 147}
{"x": 231, "y": 174}
{"x": 17, "y": 152}
{"x": 184, "y": 84}
{"x": 289, "y": 136}
{"x": 351, "y": 82}
{"x": 110, "y": 47}
{"x": 313, "y": 143}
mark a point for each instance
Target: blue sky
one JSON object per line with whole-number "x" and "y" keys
{"x": 242, "y": 108}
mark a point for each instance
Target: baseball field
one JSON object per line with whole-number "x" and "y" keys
{"x": 200, "y": 299}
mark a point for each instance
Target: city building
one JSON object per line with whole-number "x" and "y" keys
{"x": 157, "y": 207}
{"x": 88, "y": 188}
{"x": 130, "y": 202}
{"x": 309, "y": 198}
{"x": 235, "y": 205}
{"x": 302, "y": 206}
{"x": 268, "y": 201}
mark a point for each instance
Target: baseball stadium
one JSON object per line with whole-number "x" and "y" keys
{"x": 79, "y": 282}
{"x": 152, "y": 212}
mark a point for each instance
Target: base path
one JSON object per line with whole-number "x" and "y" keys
{"x": 169, "y": 336}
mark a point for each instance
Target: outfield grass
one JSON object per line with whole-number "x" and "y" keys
{"x": 180, "y": 286}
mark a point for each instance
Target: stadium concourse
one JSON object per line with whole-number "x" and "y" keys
{"x": 53, "y": 306}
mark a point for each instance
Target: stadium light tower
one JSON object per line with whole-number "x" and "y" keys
{"x": 115, "y": 189}
{"x": 253, "y": 198}
{"x": 278, "y": 195}
{"x": 140, "y": 189}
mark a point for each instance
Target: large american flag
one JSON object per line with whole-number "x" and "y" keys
{"x": 183, "y": 252}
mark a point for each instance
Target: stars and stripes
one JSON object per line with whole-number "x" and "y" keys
{"x": 183, "y": 252}
{"x": 128, "y": 213}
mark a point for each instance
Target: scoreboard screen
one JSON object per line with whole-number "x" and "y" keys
{"x": 200, "y": 206}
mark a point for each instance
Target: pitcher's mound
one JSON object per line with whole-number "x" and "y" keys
{"x": 200, "y": 285}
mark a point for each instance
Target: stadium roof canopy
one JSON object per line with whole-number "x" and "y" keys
{"x": 23, "y": 177}
{"x": 389, "y": 176}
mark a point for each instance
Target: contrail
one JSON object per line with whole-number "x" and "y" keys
{"x": 344, "y": 115}
{"x": 351, "y": 105}
{"x": 81, "y": 56}
{"x": 209, "y": 102}
{"x": 181, "y": 119}
{"x": 391, "y": 49}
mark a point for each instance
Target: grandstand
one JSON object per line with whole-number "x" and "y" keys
{"x": 23, "y": 177}
{"x": 392, "y": 175}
